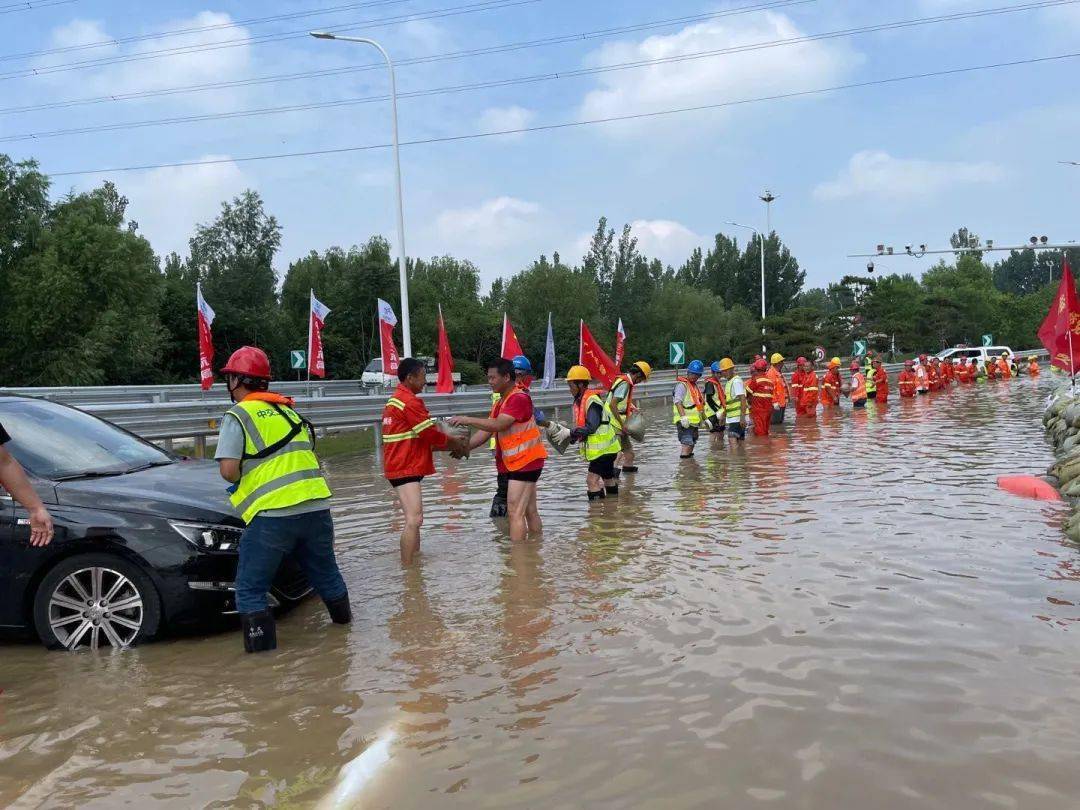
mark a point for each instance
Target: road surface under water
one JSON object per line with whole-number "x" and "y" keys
{"x": 846, "y": 615}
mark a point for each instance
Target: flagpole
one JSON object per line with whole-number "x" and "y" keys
{"x": 311, "y": 303}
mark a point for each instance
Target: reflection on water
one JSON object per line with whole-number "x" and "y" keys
{"x": 845, "y": 614}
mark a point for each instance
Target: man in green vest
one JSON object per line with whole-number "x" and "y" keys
{"x": 267, "y": 452}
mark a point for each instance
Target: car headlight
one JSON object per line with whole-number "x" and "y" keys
{"x": 208, "y": 537}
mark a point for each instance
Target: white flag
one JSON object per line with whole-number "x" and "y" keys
{"x": 549, "y": 359}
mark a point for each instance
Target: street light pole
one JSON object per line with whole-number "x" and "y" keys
{"x": 761, "y": 238}
{"x": 406, "y": 333}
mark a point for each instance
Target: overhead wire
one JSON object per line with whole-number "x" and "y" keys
{"x": 581, "y": 123}
{"x": 520, "y": 80}
{"x": 32, "y": 5}
{"x": 431, "y": 58}
{"x": 262, "y": 39}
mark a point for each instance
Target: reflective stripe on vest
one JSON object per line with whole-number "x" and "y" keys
{"x": 718, "y": 388}
{"x": 871, "y": 383}
{"x": 494, "y": 400}
{"x": 520, "y": 443}
{"x": 732, "y": 406}
{"x": 412, "y": 433}
{"x": 619, "y": 414}
{"x": 858, "y": 387}
{"x": 285, "y": 476}
{"x": 605, "y": 440}
{"x": 693, "y": 403}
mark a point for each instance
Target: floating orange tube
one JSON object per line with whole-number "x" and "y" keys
{"x": 1028, "y": 486}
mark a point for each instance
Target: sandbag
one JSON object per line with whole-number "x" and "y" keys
{"x": 635, "y": 426}
{"x": 558, "y": 435}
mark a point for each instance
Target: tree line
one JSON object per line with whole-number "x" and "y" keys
{"x": 88, "y": 302}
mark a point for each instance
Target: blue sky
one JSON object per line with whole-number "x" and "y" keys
{"x": 895, "y": 163}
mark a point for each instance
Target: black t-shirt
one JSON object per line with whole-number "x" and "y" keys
{"x": 4, "y": 438}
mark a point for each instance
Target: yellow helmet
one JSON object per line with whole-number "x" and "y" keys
{"x": 578, "y": 374}
{"x": 726, "y": 364}
{"x": 1031, "y": 357}
{"x": 776, "y": 358}
{"x": 644, "y": 368}
{"x": 835, "y": 361}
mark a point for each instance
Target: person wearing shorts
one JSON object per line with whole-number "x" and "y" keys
{"x": 410, "y": 436}
{"x": 519, "y": 452}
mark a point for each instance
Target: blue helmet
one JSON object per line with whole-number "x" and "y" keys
{"x": 715, "y": 367}
{"x": 521, "y": 363}
{"x": 695, "y": 367}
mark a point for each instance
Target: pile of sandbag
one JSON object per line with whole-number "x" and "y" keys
{"x": 1062, "y": 421}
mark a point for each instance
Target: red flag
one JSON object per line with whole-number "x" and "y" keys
{"x": 594, "y": 359}
{"x": 387, "y": 322}
{"x": 1060, "y": 332}
{"x": 316, "y": 321}
{"x": 620, "y": 346}
{"x": 510, "y": 346}
{"x": 445, "y": 383}
{"x": 205, "y": 317}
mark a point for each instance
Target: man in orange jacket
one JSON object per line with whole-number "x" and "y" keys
{"x": 795, "y": 384}
{"x": 809, "y": 391}
{"x": 1004, "y": 369}
{"x": 1033, "y": 366}
{"x": 760, "y": 391}
{"x": 410, "y": 436}
{"x": 780, "y": 391}
{"x": 830, "y": 384}
{"x": 857, "y": 387}
{"x": 907, "y": 381}
{"x": 881, "y": 380}
{"x": 933, "y": 374}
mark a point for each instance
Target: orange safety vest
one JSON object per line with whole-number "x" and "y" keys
{"x": 520, "y": 443}
{"x": 718, "y": 385}
{"x": 695, "y": 393}
{"x": 1003, "y": 368}
{"x": 907, "y": 382}
{"x": 858, "y": 386}
{"x": 779, "y": 388}
{"x": 1033, "y": 368}
{"x": 830, "y": 387}
{"x": 881, "y": 380}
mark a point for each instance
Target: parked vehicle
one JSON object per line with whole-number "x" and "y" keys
{"x": 146, "y": 542}
{"x": 373, "y": 374}
{"x": 980, "y": 353}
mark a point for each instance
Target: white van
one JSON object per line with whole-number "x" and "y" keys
{"x": 980, "y": 353}
{"x": 373, "y": 376}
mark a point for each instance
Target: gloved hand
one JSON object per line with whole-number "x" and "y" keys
{"x": 775, "y": 407}
{"x": 578, "y": 434}
{"x": 539, "y": 416}
{"x": 685, "y": 422}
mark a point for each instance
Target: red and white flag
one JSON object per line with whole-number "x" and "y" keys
{"x": 316, "y": 321}
{"x": 445, "y": 382}
{"x": 1060, "y": 331}
{"x": 387, "y": 322}
{"x": 205, "y": 317}
{"x": 620, "y": 346}
{"x": 510, "y": 346}
{"x": 590, "y": 355}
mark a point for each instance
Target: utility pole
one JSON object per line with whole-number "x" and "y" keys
{"x": 768, "y": 197}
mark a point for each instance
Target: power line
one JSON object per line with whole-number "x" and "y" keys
{"x": 533, "y": 79}
{"x": 493, "y": 49}
{"x": 196, "y": 29}
{"x": 587, "y": 122}
{"x": 262, "y": 39}
{"x": 31, "y": 5}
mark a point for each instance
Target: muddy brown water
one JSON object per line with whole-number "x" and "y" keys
{"x": 846, "y": 615}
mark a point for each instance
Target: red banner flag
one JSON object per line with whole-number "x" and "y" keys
{"x": 445, "y": 382}
{"x": 620, "y": 346}
{"x": 510, "y": 346}
{"x": 594, "y": 359}
{"x": 205, "y": 317}
{"x": 387, "y": 322}
{"x": 316, "y": 321}
{"x": 1060, "y": 332}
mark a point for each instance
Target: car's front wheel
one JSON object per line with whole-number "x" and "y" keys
{"x": 94, "y": 601}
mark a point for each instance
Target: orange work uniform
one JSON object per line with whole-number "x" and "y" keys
{"x": 808, "y": 395}
{"x": 881, "y": 380}
{"x": 907, "y": 382}
{"x": 1033, "y": 368}
{"x": 1003, "y": 368}
{"x": 796, "y": 384}
{"x": 933, "y": 374}
{"x": 780, "y": 392}
{"x": 830, "y": 388}
{"x": 760, "y": 391}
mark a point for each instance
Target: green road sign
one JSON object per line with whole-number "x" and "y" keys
{"x": 677, "y": 353}
{"x": 988, "y": 340}
{"x": 298, "y": 359}
{"x": 860, "y": 348}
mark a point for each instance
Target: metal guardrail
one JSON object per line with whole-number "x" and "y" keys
{"x": 186, "y": 412}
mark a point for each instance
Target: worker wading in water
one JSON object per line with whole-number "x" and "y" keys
{"x": 760, "y": 391}
{"x": 266, "y": 450}
{"x": 807, "y": 403}
{"x": 831, "y": 385}
{"x": 907, "y": 380}
{"x": 857, "y": 389}
{"x": 523, "y": 375}
{"x": 775, "y": 373}
{"x": 688, "y": 408}
{"x": 593, "y": 430}
{"x": 620, "y": 404}
{"x": 714, "y": 399}
{"x": 881, "y": 382}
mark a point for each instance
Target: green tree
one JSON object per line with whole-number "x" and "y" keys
{"x": 179, "y": 349}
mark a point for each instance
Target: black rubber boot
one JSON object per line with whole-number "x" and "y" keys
{"x": 611, "y": 490}
{"x": 596, "y": 496}
{"x": 340, "y": 610}
{"x": 630, "y": 469}
{"x": 260, "y": 632}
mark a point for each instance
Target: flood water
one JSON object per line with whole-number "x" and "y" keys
{"x": 846, "y": 615}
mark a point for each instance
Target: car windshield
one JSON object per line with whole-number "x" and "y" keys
{"x": 375, "y": 365}
{"x": 57, "y": 442}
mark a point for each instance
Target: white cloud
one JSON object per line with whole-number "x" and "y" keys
{"x": 168, "y": 203}
{"x": 495, "y": 223}
{"x": 500, "y": 119}
{"x": 671, "y": 242}
{"x": 878, "y": 175}
{"x": 182, "y": 69}
{"x": 712, "y": 79}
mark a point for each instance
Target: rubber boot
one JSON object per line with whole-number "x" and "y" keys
{"x": 260, "y": 632}
{"x": 629, "y": 469}
{"x": 340, "y": 610}
{"x": 596, "y": 496}
{"x": 611, "y": 490}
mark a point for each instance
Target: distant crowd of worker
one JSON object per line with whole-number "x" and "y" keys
{"x": 266, "y": 450}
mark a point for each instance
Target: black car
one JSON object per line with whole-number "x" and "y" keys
{"x": 145, "y": 541}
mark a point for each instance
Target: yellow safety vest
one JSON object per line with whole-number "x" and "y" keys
{"x": 710, "y": 412}
{"x": 605, "y": 440}
{"x": 279, "y": 467}
{"x": 732, "y": 407}
{"x": 689, "y": 403}
{"x": 871, "y": 385}
{"x": 494, "y": 399}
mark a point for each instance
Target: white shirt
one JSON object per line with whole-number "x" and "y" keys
{"x": 737, "y": 390}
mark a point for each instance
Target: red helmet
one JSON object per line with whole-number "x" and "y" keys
{"x": 248, "y": 361}
{"x": 909, "y": 362}
{"x": 760, "y": 364}
{"x": 801, "y": 361}
{"x": 854, "y": 366}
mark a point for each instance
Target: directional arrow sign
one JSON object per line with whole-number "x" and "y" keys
{"x": 677, "y": 353}
{"x": 860, "y": 348}
{"x": 298, "y": 359}
{"x": 988, "y": 340}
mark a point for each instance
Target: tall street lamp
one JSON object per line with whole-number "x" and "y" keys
{"x": 406, "y": 333}
{"x": 761, "y": 237}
